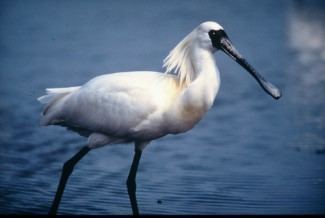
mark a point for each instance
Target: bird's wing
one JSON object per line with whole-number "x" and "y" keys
{"x": 113, "y": 104}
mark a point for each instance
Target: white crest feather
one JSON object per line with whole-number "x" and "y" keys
{"x": 179, "y": 60}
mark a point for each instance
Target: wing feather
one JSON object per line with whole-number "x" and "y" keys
{"x": 112, "y": 104}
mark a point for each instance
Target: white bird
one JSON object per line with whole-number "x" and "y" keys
{"x": 142, "y": 106}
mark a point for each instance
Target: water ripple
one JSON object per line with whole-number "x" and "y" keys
{"x": 249, "y": 155}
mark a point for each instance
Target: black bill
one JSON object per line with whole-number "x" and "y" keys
{"x": 230, "y": 50}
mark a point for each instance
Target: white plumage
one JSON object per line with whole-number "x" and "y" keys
{"x": 144, "y": 105}
{"x": 141, "y": 106}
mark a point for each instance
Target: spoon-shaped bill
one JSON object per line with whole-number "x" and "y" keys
{"x": 230, "y": 50}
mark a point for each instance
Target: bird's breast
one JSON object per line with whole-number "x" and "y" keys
{"x": 185, "y": 118}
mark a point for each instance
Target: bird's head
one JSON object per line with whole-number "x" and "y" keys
{"x": 211, "y": 36}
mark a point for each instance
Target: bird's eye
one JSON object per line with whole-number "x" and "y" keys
{"x": 217, "y": 35}
{"x": 213, "y": 32}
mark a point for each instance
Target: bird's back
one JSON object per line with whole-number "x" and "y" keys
{"x": 124, "y": 105}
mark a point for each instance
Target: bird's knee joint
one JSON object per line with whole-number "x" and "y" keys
{"x": 68, "y": 166}
{"x": 131, "y": 184}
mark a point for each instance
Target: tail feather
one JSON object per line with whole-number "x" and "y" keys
{"x": 52, "y": 96}
{"x": 53, "y": 93}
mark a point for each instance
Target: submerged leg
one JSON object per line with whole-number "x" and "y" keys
{"x": 66, "y": 172}
{"x": 131, "y": 181}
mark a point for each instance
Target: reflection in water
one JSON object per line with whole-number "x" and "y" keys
{"x": 306, "y": 35}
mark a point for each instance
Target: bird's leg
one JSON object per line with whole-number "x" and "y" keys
{"x": 66, "y": 172}
{"x": 131, "y": 181}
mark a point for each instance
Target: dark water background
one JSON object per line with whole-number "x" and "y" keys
{"x": 249, "y": 155}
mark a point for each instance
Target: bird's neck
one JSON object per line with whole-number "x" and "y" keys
{"x": 203, "y": 89}
{"x": 198, "y": 96}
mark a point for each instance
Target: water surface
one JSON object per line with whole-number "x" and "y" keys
{"x": 249, "y": 155}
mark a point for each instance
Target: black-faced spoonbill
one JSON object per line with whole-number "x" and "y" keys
{"x": 142, "y": 106}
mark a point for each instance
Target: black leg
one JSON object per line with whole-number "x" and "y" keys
{"x": 131, "y": 181}
{"x": 66, "y": 172}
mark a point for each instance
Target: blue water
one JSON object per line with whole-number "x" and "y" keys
{"x": 249, "y": 155}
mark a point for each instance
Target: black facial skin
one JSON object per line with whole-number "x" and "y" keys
{"x": 216, "y": 36}
{"x": 221, "y": 41}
